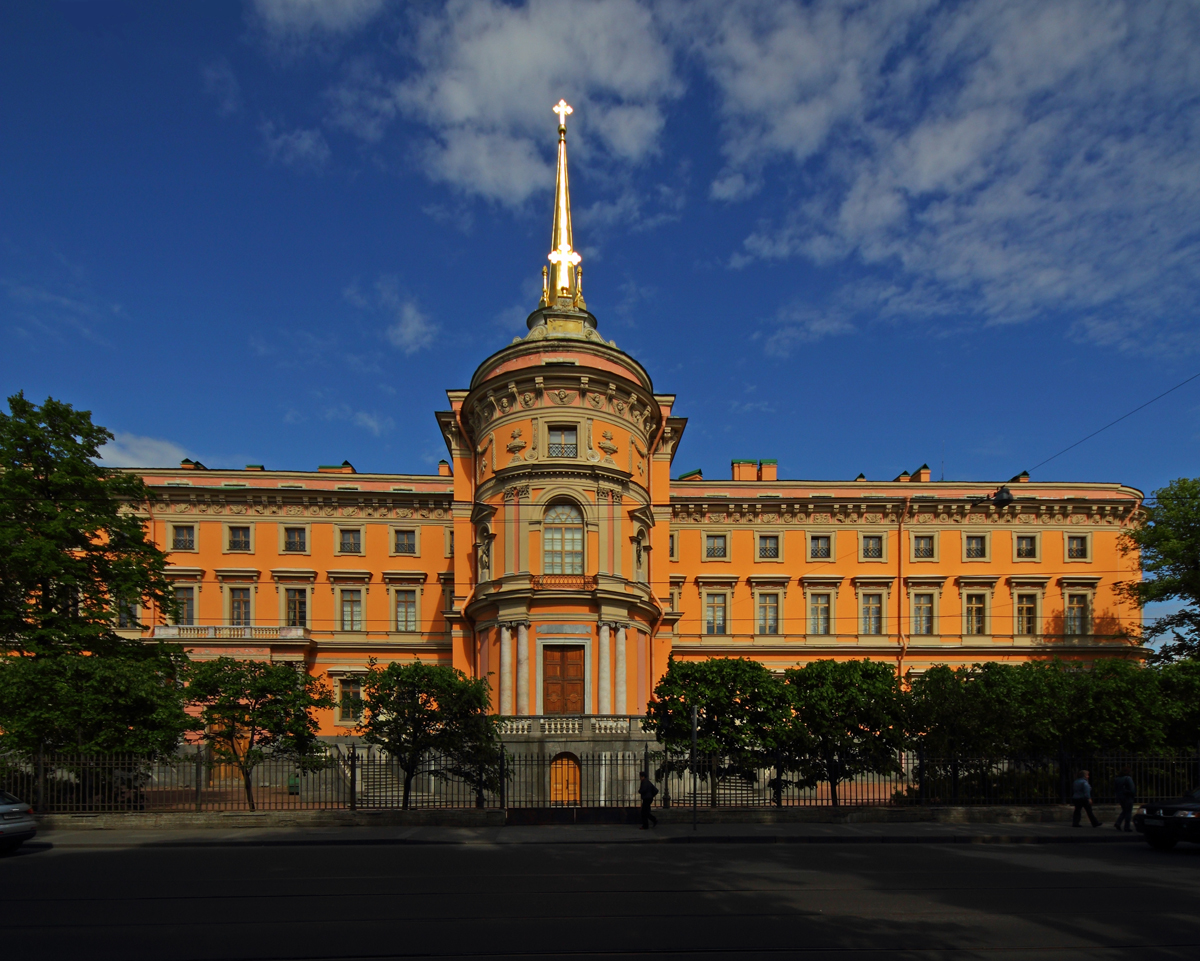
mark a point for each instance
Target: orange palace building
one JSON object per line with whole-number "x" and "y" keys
{"x": 554, "y": 554}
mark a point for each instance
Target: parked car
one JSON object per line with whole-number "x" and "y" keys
{"x": 16, "y": 822}
{"x": 1165, "y": 823}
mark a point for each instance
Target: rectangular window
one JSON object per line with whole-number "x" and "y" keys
{"x": 872, "y": 546}
{"x": 564, "y": 442}
{"x": 818, "y": 614}
{"x": 768, "y": 613}
{"x": 714, "y": 545}
{"x": 350, "y": 542}
{"x": 714, "y": 613}
{"x": 923, "y": 546}
{"x": 976, "y": 610}
{"x": 406, "y": 542}
{"x": 239, "y": 538}
{"x": 976, "y": 547}
{"x": 819, "y": 544}
{"x": 352, "y": 611}
{"x": 127, "y": 615}
{"x": 872, "y": 613}
{"x": 768, "y": 546}
{"x": 671, "y": 547}
{"x": 1027, "y": 614}
{"x": 185, "y": 603}
{"x": 349, "y": 699}
{"x": 1077, "y": 548}
{"x": 294, "y": 539}
{"x": 239, "y": 606}
{"x": 1076, "y": 620}
{"x": 1027, "y": 547}
{"x": 922, "y": 613}
{"x": 297, "y": 607}
{"x": 406, "y": 610}
{"x": 183, "y": 538}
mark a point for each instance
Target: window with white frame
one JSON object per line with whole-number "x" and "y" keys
{"x": 768, "y": 613}
{"x": 975, "y": 613}
{"x": 922, "y": 613}
{"x": 714, "y": 613}
{"x": 406, "y": 610}
{"x": 239, "y": 606}
{"x": 562, "y": 540}
{"x": 351, "y": 612}
{"x": 1027, "y": 613}
{"x": 819, "y": 613}
{"x": 1075, "y": 620}
{"x": 872, "y": 613}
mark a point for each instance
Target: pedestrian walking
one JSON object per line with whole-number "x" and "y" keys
{"x": 1081, "y": 797}
{"x": 1126, "y": 792}
{"x": 648, "y": 791}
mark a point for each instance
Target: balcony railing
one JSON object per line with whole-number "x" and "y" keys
{"x": 564, "y": 450}
{"x": 564, "y": 582}
{"x": 233, "y": 632}
{"x": 571, "y": 724}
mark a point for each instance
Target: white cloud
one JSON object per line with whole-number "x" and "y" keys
{"x": 300, "y": 149}
{"x": 130, "y": 450}
{"x": 999, "y": 160}
{"x": 800, "y": 324}
{"x": 296, "y": 20}
{"x": 411, "y": 330}
{"x": 222, "y": 85}
{"x": 486, "y": 74}
{"x": 377, "y": 424}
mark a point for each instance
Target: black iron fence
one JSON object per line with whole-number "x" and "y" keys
{"x": 351, "y": 777}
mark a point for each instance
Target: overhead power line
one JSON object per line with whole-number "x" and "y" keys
{"x": 1117, "y": 421}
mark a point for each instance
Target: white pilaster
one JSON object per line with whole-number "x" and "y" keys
{"x": 622, "y": 692}
{"x": 506, "y": 671}
{"x": 605, "y": 674}
{"x": 522, "y": 668}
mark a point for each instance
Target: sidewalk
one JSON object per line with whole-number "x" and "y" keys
{"x": 676, "y": 833}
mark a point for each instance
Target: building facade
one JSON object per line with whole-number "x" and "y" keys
{"x": 554, "y": 554}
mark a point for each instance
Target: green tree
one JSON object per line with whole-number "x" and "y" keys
{"x": 432, "y": 713}
{"x": 72, "y": 547}
{"x": 254, "y": 710}
{"x": 852, "y": 713}
{"x": 1179, "y": 683}
{"x": 738, "y": 708}
{"x": 1168, "y": 544}
{"x": 83, "y": 703}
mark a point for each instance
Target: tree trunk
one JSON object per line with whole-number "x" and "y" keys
{"x": 409, "y": 774}
{"x": 248, "y": 784}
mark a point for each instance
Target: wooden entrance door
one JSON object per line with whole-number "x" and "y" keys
{"x": 564, "y": 781}
{"x": 562, "y": 680}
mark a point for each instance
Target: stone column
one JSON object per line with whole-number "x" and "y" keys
{"x": 523, "y": 668}
{"x": 605, "y": 674}
{"x": 622, "y": 694}
{"x": 506, "y": 671}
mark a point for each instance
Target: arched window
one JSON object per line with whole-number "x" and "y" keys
{"x": 562, "y": 539}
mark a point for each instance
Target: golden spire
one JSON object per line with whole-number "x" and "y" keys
{"x": 563, "y": 288}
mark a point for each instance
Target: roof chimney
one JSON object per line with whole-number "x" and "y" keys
{"x": 444, "y": 469}
{"x": 768, "y": 470}
{"x": 922, "y": 474}
{"x": 744, "y": 470}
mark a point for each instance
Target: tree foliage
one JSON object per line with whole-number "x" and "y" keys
{"x": 1168, "y": 543}
{"x": 432, "y": 713}
{"x": 848, "y": 717}
{"x": 71, "y": 546}
{"x": 254, "y": 710}
{"x": 85, "y": 703}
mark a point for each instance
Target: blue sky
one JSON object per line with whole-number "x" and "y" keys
{"x": 849, "y": 236}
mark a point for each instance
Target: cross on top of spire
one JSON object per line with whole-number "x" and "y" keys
{"x": 563, "y": 109}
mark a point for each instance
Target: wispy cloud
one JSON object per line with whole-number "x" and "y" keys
{"x": 130, "y": 450}
{"x": 222, "y": 85}
{"x": 300, "y": 149}
{"x": 410, "y": 330}
{"x": 293, "y": 27}
{"x": 371, "y": 421}
{"x": 1000, "y": 161}
{"x": 800, "y": 324}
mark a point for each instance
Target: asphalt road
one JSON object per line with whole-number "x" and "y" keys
{"x": 919, "y": 901}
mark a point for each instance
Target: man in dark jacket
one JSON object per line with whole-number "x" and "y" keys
{"x": 1126, "y": 792}
{"x": 647, "y": 790}
{"x": 1081, "y": 797}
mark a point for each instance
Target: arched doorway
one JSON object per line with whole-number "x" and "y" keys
{"x": 564, "y": 780}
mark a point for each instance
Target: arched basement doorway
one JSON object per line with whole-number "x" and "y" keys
{"x": 565, "y": 780}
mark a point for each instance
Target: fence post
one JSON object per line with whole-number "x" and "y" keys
{"x": 41, "y": 780}
{"x": 503, "y": 778}
{"x": 353, "y": 777}
{"x": 922, "y": 791}
{"x": 199, "y": 775}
